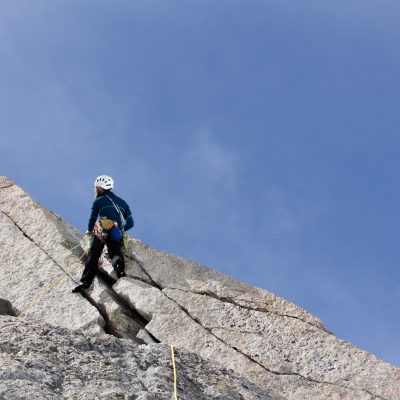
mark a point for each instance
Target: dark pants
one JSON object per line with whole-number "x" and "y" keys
{"x": 92, "y": 262}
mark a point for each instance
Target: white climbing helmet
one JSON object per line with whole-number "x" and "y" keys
{"x": 104, "y": 181}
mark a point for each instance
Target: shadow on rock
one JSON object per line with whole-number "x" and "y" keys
{"x": 6, "y": 308}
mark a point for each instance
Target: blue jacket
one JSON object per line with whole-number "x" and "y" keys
{"x": 103, "y": 207}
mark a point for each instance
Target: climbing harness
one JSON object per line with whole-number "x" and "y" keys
{"x": 106, "y": 228}
{"x": 174, "y": 369}
{"x": 99, "y": 230}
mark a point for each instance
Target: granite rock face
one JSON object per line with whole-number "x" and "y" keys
{"x": 274, "y": 348}
{"x": 34, "y": 253}
{"x": 40, "y": 361}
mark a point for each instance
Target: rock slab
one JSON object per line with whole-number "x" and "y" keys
{"x": 270, "y": 345}
{"x": 40, "y": 361}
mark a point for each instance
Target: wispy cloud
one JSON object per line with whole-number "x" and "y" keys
{"x": 210, "y": 161}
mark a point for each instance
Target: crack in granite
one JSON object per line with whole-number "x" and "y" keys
{"x": 278, "y": 373}
{"x": 6, "y": 187}
{"x": 138, "y": 262}
{"x": 233, "y": 302}
{"x": 212, "y": 295}
{"x": 38, "y": 246}
{"x": 222, "y": 298}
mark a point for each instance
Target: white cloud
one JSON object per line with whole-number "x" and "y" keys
{"x": 209, "y": 161}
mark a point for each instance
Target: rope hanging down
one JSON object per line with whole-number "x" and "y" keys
{"x": 174, "y": 369}
{"x": 57, "y": 282}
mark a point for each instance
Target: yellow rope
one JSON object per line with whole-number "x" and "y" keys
{"x": 46, "y": 291}
{"x": 54, "y": 284}
{"x": 174, "y": 368}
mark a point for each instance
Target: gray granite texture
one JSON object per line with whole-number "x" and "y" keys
{"x": 263, "y": 341}
{"x": 40, "y": 361}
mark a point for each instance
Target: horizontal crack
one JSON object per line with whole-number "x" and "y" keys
{"x": 233, "y": 302}
{"x": 6, "y": 187}
{"x": 226, "y": 299}
{"x": 266, "y": 368}
{"x": 296, "y": 374}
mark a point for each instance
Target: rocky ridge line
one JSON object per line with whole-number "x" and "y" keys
{"x": 171, "y": 300}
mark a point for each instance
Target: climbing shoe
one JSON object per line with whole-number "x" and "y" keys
{"x": 121, "y": 274}
{"x": 79, "y": 288}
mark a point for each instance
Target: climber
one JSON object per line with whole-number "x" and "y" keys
{"x": 106, "y": 227}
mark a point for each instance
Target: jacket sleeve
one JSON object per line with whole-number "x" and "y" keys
{"x": 93, "y": 215}
{"x": 129, "y": 223}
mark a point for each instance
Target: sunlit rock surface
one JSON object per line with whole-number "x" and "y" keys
{"x": 233, "y": 340}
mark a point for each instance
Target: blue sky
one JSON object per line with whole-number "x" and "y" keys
{"x": 259, "y": 138}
